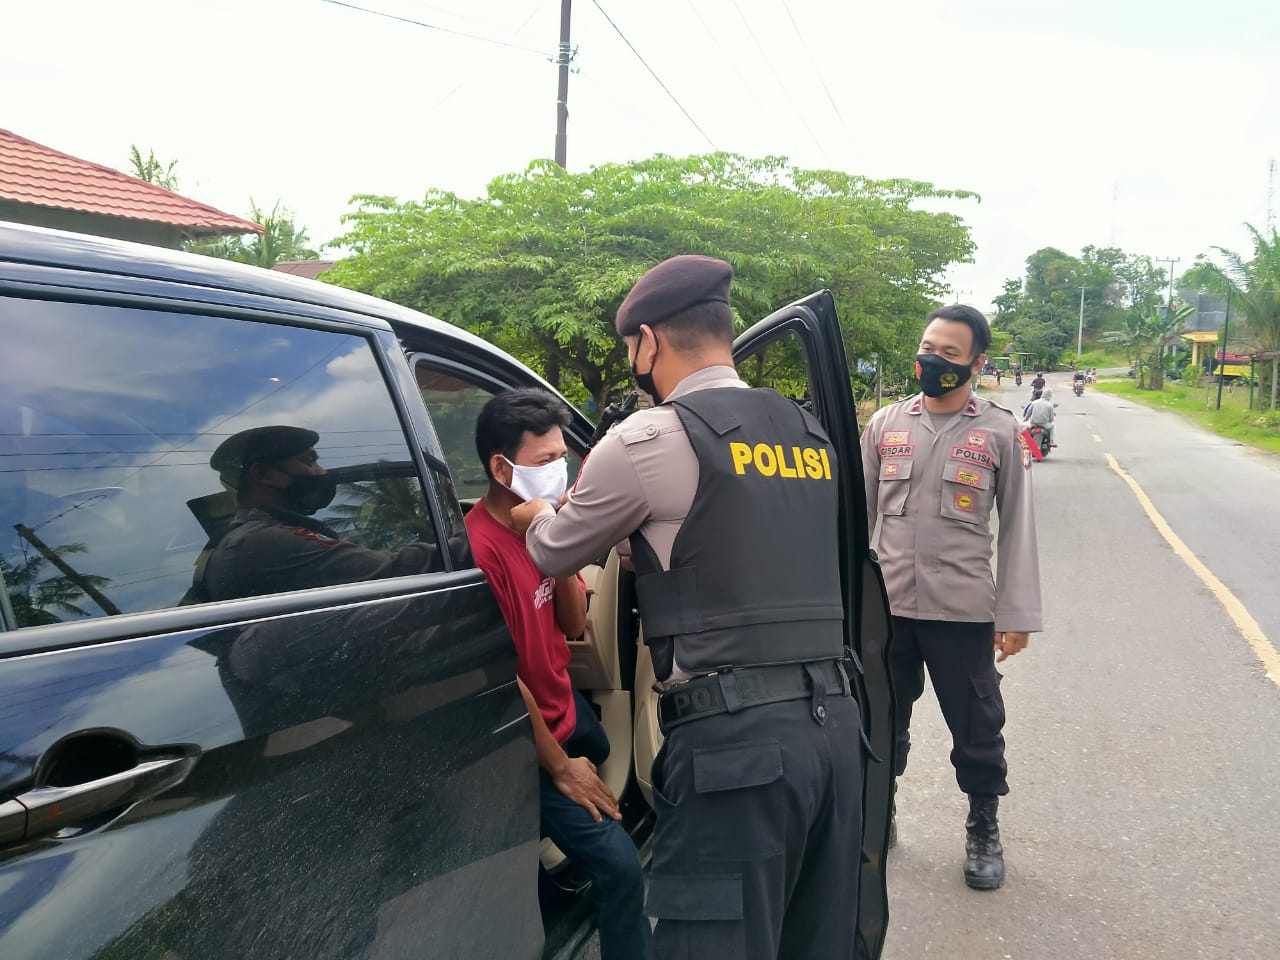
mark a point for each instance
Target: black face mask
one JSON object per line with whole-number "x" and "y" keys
{"x": 308, "y": 494}
{"x": 940, "y": 376}
{"x": 645, "y": 380}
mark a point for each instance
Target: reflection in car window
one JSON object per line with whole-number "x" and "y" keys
{"x": 454, "y": 405}
{"x": 109, "y": 419}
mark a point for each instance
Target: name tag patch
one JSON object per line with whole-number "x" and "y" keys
{"x": 772, "y": 459}
{"x": 978, "y": 457}
{"x": 896, "y": 450}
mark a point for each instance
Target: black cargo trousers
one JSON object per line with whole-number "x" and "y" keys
{"x": 757, "y": 848}
{"x": 960, "y": 658}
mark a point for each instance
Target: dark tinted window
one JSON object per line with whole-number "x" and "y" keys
{"x": 108, "y": 420}
{"x": 454, "y": 405}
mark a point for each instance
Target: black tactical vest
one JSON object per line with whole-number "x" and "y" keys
{"x": 755, "y": 568}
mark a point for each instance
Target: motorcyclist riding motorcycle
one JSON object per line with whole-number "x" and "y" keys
{"x": 1040, "y": 413}
{"x": 1077, "y": 383}
{"x": 1037, "y": 385}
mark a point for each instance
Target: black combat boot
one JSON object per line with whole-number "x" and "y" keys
{"x": 893, "y": 817}
{"x": 984, "y": 857}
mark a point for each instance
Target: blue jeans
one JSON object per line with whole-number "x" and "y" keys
{"x": 603, "y": 849}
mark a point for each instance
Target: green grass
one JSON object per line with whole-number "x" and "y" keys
{"x": 1234, "y": 421}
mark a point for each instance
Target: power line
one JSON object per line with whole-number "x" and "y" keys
{"x": 436, "y": 26}
{"x": 764, "y": 55}
{"x": 813, "y": 61}
{"x": 655, "y": 76}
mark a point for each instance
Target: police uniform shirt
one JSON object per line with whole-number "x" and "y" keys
{"x": 275, "y": 550}
{"x": 933, "y": 482}
{"x": 641, "y": 476}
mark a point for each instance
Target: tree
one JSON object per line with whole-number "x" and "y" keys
{"x": 281, "y": 239}
{"x": 1163, "y": 327}
{"x": 41, "y": 600}
{"x": 1043, "y": 313}
{"x": 1132, "y": 337}
{"x": 540, "y": 264}
{"x": 152, "y": 170}
{"x": 1253, "y": 286}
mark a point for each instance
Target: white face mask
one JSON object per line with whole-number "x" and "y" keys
{"x": 547, "y": 482}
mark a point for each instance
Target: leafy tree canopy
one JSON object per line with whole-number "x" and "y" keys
{"x": 540, "y": 264}
{"x": 1040, "y": 314}
{"x": 1253, "y": 285}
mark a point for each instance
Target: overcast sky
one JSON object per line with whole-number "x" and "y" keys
{"x": 1144, "y": 123}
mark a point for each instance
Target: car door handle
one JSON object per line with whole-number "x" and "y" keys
{"x": 45, "y": 810}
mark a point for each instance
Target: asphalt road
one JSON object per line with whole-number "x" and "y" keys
{"x": 1144, "y": 813}
{"x": 1143, "y": 821}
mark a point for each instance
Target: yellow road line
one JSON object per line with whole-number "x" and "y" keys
{"x": 1248, "y": 627}
{"x": 1097, "y": 438}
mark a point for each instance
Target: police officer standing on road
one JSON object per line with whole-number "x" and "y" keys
{"x": 758, "y": 787}
{"x": 935, "y": 465}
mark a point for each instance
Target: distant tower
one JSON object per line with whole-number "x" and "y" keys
{"x": 1271, "y": 196}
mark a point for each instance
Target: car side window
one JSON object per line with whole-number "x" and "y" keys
{"x": 454, "y": 404}
{"x": 781, "y": 364}
{"x": 140, "y": 451}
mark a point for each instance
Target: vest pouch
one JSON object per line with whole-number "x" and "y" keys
{"x": 894, "y": 485}
{"x": 668, "y": 602}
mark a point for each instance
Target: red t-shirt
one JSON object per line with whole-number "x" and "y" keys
{"x": 526, "y": 597}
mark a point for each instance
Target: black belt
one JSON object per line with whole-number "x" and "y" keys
{"x": 737, "y": 688}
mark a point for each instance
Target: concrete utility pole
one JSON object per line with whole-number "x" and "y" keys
{"x": 564, "y": 56}
{"x": 1170, "y": 261}
{"x": 960, "y": 293}
{"x": 1080, "y": 329}
{"x": 1222, "y": 356}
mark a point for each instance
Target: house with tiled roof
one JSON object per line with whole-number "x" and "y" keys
{"x": 48, "y": 188}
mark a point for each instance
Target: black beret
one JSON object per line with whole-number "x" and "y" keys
{"x": 672, "y": 286}
{"x": 260, "y": 445}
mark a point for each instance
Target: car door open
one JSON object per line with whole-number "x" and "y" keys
{"x": 799, "y": 351}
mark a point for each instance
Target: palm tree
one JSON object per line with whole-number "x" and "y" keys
{"x": 281, "y": 239}
{"x": 1252, "y": 286}
{"x": 1133, "y": 337}
{"x": 37, "y": 602}
{"x": 1163, "y": 327}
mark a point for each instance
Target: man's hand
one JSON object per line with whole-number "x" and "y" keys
{"x": 1009, "y": 643}
{"x": 522, "y": 515}
{"x": 576, "y": 779}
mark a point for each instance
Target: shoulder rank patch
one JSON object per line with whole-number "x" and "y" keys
{"x": 1025, "y": 444}
{"x": 971, "y": 406}
{"x": 315, "y": 536}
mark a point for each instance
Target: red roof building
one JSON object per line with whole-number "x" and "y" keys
{"x": 47, "y": 188}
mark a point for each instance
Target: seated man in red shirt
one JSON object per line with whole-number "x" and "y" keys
{"x": 520, "y": 441}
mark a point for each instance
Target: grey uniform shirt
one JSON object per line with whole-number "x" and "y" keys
{"x": 933, "y": 482}
{"x": 641, "y": 476}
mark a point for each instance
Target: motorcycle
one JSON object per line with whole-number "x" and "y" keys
{"x": 1017, "y": 379}
{"x": 1040, "y": 437}
{"x": 1078, "y": 387}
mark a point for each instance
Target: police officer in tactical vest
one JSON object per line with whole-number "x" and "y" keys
{"x": 729, "y": 498}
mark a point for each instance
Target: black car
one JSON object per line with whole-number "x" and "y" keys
{"x": 344, "y": 769}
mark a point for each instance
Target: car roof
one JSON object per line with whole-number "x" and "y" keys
{"x": 43, "y": 247}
